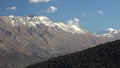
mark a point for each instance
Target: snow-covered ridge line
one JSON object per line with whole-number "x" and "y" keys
{"x": 30, "y": 21}
{"x": 38, "y": 20}
{"x": 109, "y": 32}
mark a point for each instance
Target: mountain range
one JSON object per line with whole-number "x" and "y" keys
{"x": 28, "y": 40}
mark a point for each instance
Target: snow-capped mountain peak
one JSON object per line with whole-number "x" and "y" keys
{"x": 109, "y": 32}
{"x": 38, "y": 20}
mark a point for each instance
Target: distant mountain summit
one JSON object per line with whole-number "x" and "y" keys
{"x": 109, "y": 32}
{"x": 27, "y": 40}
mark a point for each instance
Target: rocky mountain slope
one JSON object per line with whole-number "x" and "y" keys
{"x": 27, "y": 40}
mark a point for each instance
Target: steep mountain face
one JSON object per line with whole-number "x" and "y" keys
{"x": 27, "y": 40}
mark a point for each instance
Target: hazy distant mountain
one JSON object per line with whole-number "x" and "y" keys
{"x": 110, "y": 32}
{"x": 103, "y": 56}
{"x": 27, "y": 40}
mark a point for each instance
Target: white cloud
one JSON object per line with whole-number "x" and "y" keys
{"x": 38, "y": 1}
{"x": 84, "y": 14}
{"x": 74, "y": 21}
{"x": 100, "y": 12}
{"x": 52, "y": 9}
{"x": 11, "y": 8}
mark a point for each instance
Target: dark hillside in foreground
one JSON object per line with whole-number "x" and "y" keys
{"x": 103, "y": 56}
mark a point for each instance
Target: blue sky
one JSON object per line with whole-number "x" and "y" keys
{"x": 93, "y": 15}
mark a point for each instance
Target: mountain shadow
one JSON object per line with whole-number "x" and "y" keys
{"x": 102, "y": 56}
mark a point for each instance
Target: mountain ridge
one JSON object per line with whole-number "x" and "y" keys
{"x": 37, "y": 20}
{"x": 35, "y": 39}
